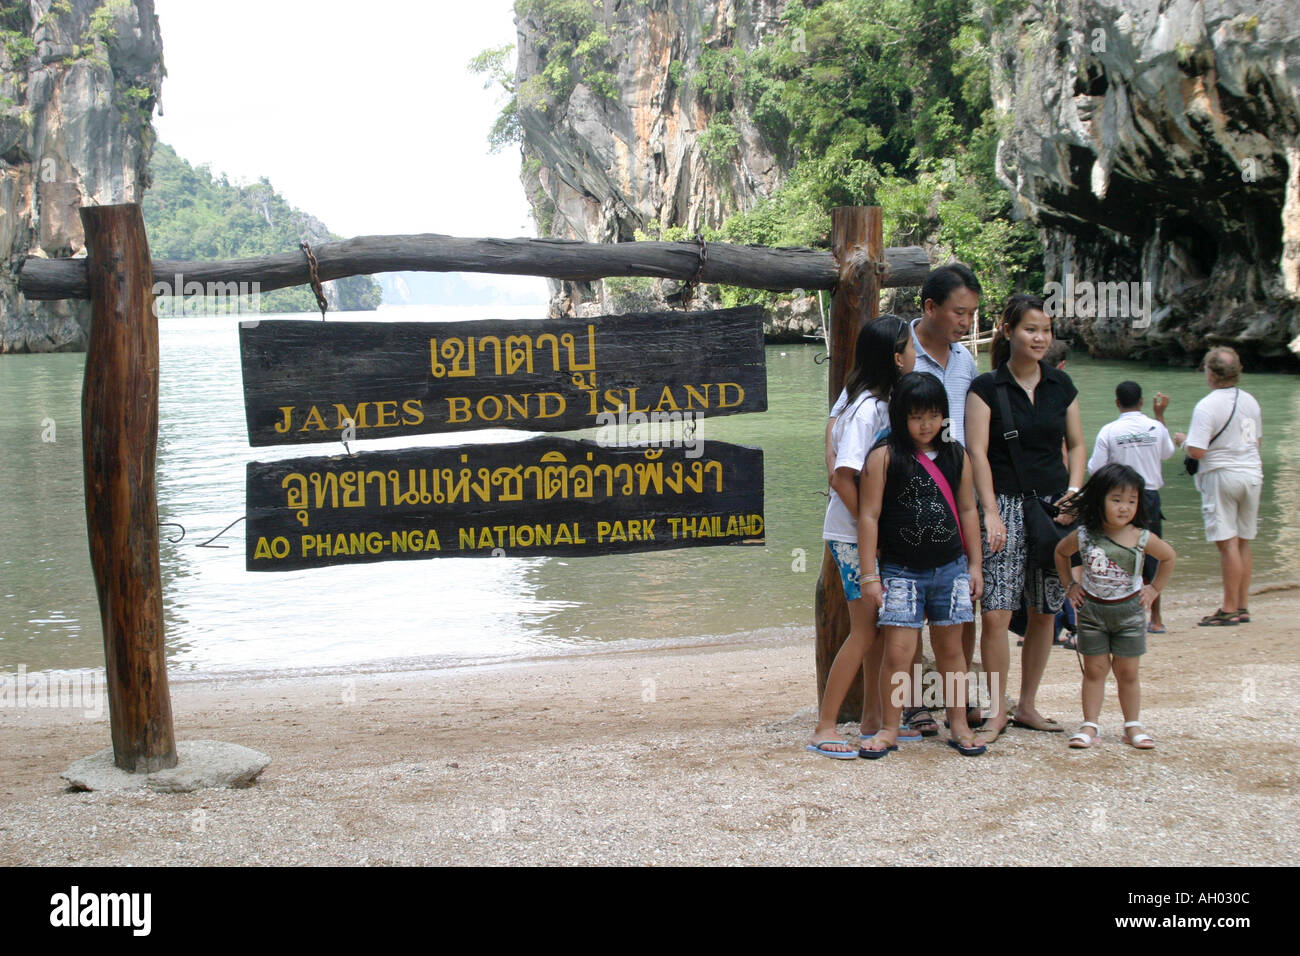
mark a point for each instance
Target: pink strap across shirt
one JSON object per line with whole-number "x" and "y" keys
{"x": 944, "y": 490}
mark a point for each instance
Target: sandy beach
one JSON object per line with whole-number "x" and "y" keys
{"x": 686, "y": 756}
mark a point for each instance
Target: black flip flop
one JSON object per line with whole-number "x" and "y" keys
{"x": 966, "y": 751}
{"x": 868, "y": 754}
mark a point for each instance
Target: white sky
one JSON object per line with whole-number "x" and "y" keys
{"x": 363, "y": 114}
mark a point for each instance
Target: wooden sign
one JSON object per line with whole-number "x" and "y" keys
{"x": 544, "y": 496}
{"x": 326, "y": 381}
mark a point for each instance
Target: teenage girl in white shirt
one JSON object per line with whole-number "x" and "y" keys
{"x": 884, "y": 352}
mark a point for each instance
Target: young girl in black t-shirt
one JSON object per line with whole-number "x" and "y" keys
{"x": 918, "y": 506}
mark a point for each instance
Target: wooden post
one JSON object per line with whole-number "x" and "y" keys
{"x": 857, "y": 243}
{"x": 119, "y": 416}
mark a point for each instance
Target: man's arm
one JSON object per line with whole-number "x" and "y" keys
{"x": 1158, "y": 406}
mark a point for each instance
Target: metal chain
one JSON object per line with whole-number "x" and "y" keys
{"x": 305, "y": 246}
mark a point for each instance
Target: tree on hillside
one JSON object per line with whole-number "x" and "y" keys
{"x": 191, "y": 215}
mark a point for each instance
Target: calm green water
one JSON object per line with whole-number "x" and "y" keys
{"x": 443, "y": 611}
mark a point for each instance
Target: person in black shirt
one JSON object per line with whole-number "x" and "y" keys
{"x": 918, "y": 506}
{"x": 1045, "y": 408}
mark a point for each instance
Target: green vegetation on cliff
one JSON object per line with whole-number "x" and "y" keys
{"x": 868, "y": 101}
{"x": 574, "y": 47}
{"x": 886, "y": 101}
{"x": 878, "y": 102}
{"x": 191, "y": 215}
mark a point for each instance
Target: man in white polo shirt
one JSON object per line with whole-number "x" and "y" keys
{"x": 1141, "y": 443}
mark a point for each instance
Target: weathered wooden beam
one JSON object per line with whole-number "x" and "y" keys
{"x": 119, "y": 415}
{"x": 858, "y": 246}
{"x": 754, "y": 267}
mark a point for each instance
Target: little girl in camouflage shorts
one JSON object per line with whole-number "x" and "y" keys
{"x": 1112, "y": 602}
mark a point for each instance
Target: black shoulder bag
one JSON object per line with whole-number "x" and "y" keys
{"x": 1042, "y": 533}
{"x": 1192, "y": 465}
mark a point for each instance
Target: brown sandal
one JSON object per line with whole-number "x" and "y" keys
{"x": 1219, "y": 618}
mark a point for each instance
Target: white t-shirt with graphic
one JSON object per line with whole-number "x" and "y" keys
{"x": 1137, "y": 441}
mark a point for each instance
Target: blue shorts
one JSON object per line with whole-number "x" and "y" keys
{"x": 846, "y": 559}
{"x": 941, "y": 594}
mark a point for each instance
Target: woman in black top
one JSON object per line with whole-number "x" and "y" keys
{"x": 1045, "y": 406}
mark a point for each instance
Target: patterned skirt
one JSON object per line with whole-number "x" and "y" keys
{"x": 1011, "y": 573}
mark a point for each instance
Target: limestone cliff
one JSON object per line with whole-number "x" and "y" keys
{"x": 602, "y": 161}
{"x": 1157, "y": 142}
{"x": 78, "y": 83}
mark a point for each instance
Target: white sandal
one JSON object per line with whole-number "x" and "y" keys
{"x": 1137, "y": 741}
{"x": 1081, "y": 741}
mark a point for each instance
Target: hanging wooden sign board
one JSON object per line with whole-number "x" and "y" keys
{"x": 307, "y": 381}
{"x": 543, "y": 496}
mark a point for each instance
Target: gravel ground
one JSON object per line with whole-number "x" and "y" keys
{"x": 687, "y": 756}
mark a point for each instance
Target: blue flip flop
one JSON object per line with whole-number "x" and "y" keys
{"x": 966, "y": 751}
{"x": 833, "y": 754}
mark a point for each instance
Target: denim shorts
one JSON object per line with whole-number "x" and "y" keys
{"x": 940, "y": 594}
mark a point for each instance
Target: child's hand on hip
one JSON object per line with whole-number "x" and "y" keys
{"x": 1148, "y": 597}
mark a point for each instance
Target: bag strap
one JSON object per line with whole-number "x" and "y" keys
{"x": 944, "y": 489}
{"x": 1139, "y": 549}
{"x": 1012, "y": 436}
{"x": 1230, "y": 414}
